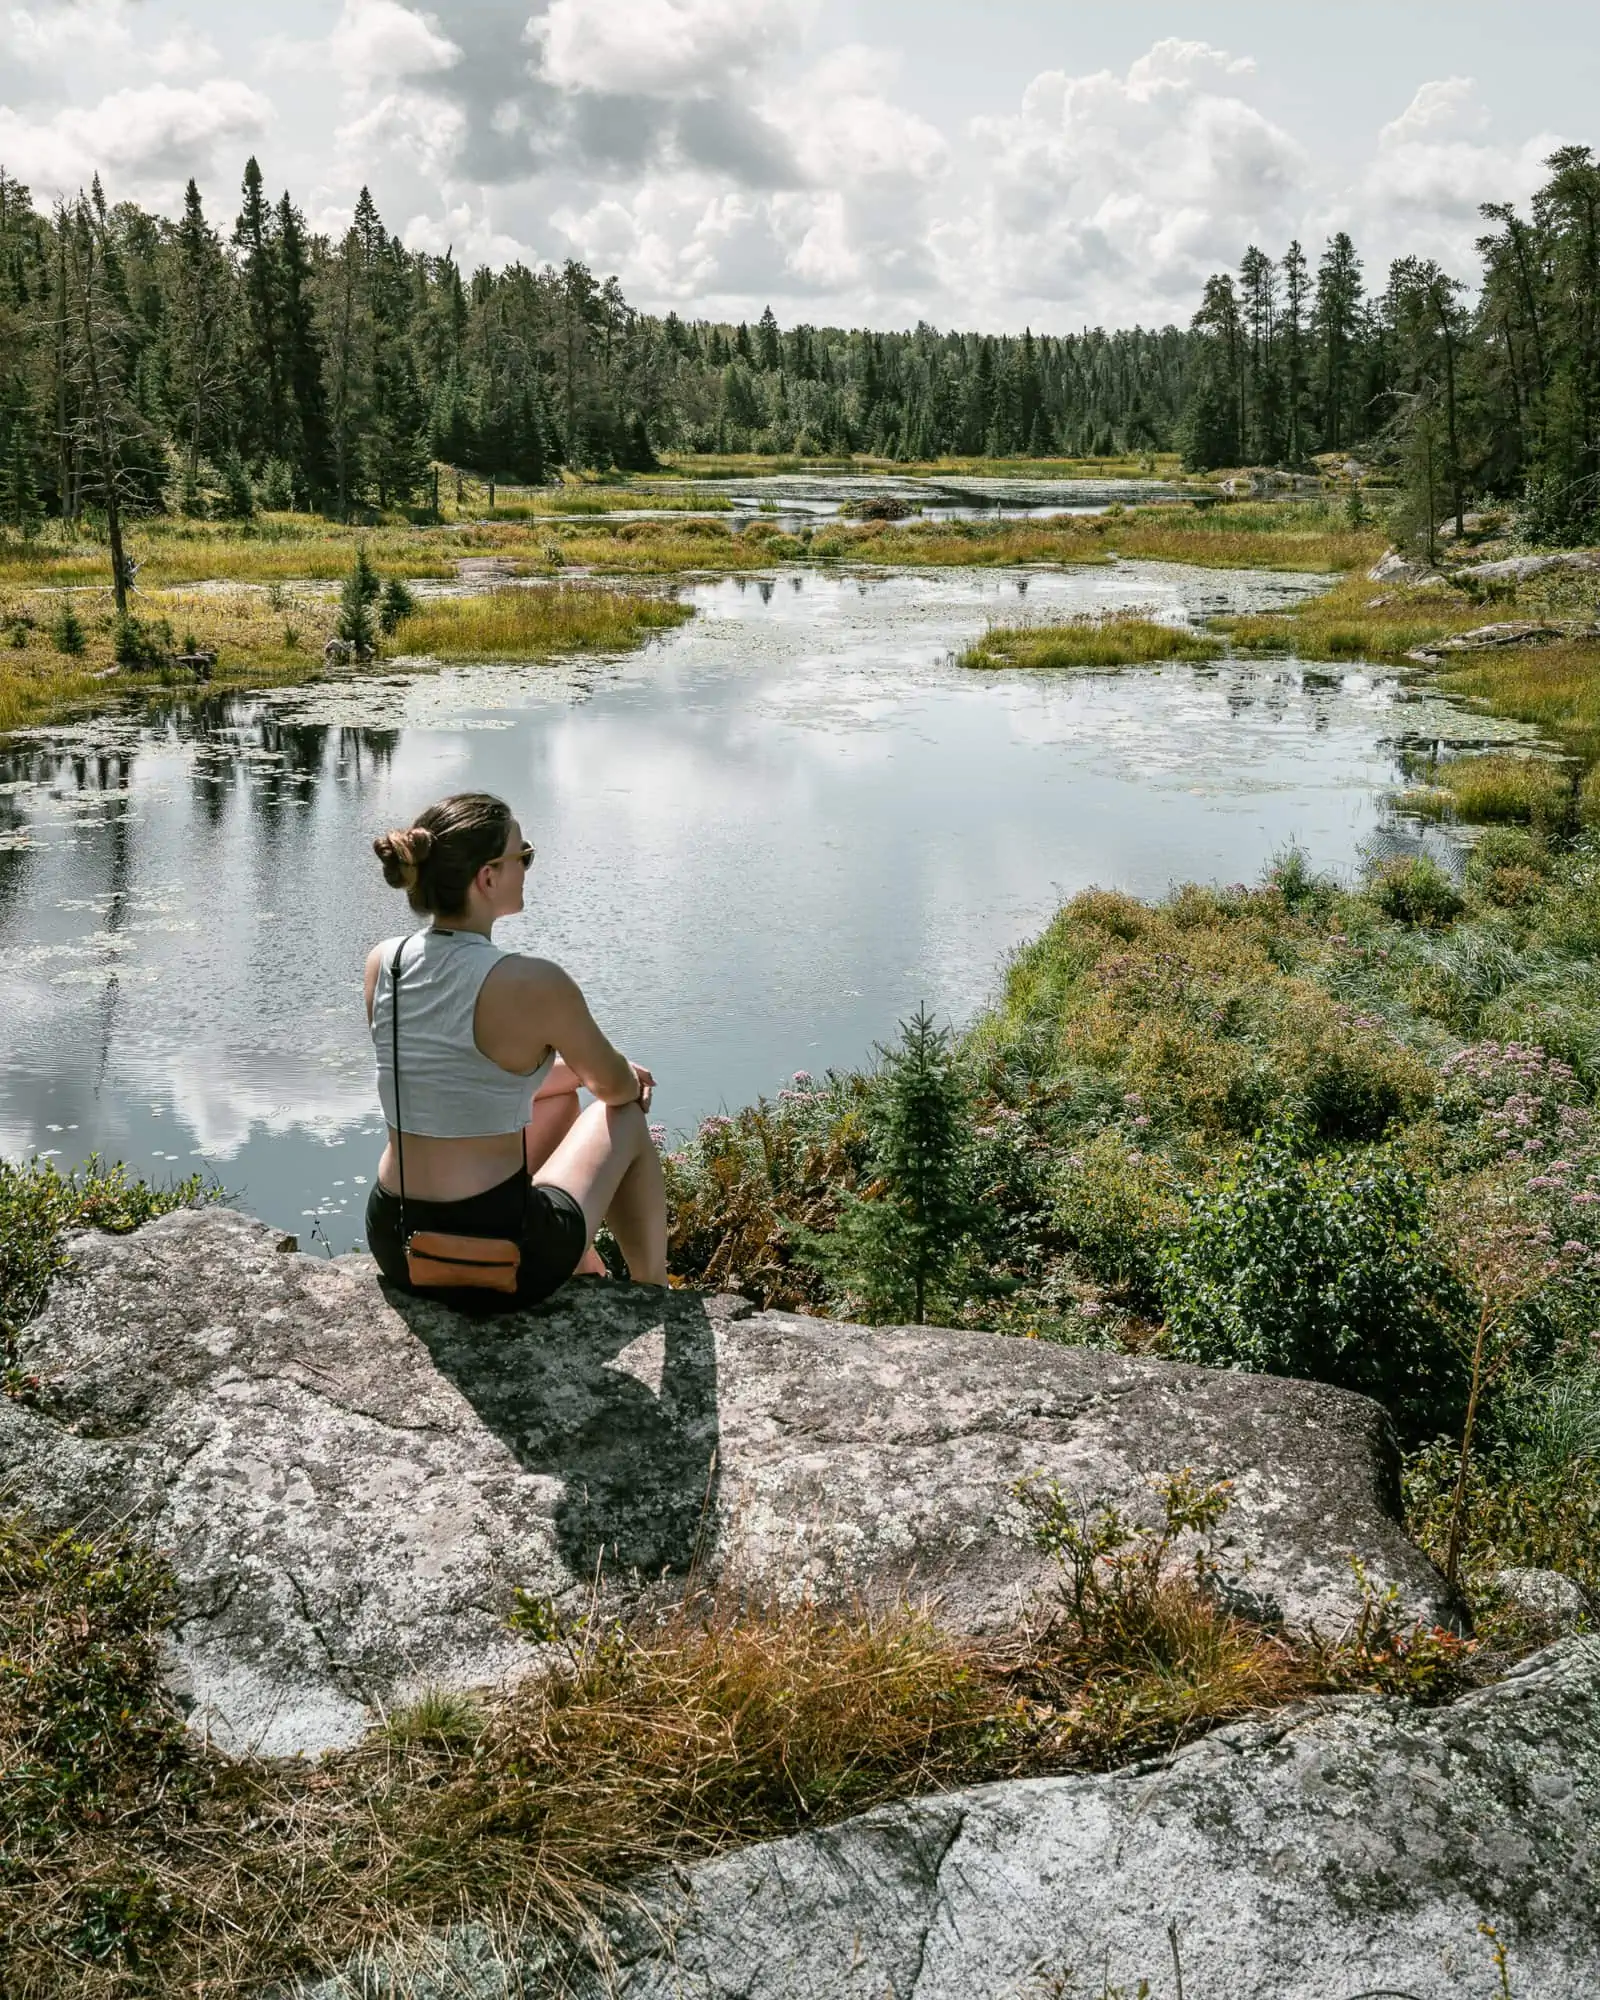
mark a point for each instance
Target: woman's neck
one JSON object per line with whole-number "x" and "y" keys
{"x": 481, "y": 926}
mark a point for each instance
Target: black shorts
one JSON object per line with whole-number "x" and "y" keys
{"x": 544, "y": 1222}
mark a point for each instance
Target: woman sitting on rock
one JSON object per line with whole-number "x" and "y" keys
{"x": 487, "y": 1141}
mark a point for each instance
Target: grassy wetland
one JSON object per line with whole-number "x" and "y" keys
{"x": 259, "y": 593}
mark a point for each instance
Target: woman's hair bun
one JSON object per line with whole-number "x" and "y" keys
{"x": 403, "y": 853}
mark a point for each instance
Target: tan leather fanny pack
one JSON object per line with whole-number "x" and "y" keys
{"x": 435, "y": 1257}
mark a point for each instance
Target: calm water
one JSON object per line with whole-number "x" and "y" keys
{"x": 761, "y": 841}
{"x": 794, "y": 500}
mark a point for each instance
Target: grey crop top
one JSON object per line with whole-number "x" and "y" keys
{"x": 449, "y": 1089}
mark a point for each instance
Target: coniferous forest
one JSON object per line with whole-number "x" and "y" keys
{"x": 197, "y": 364}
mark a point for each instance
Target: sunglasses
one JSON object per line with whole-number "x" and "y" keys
{"x": 524, "y": 854}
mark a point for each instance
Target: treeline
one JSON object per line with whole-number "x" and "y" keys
{"x": 1493, "y": 395}
{"x": 151, "y": 362}
{"x": 217, "y": 369}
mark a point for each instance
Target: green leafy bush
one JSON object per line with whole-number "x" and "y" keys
{"x": 1321, "y": 1268}
{"x": 1118, "y": 1209}
{"x": 1417, "y": 891}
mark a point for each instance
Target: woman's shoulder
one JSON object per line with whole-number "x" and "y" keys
{"x": 518, "y": 971}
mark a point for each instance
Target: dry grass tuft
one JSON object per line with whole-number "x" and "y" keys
{"x": 1095, "y": 643}
{"x": 1557, "y": 688}
{"x": 1355, "y": 621}
{"x": 137, "y": 1863}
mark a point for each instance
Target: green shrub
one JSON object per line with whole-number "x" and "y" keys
{"x": 1417, "y": 891}
{"x": 38, "y": 1206}
{"x": 1321, "y": 1268}
{"x": 1118, "y": 1209}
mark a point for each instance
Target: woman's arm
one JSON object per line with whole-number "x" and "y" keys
{"x": 529, "y": 1005}
{"x": 370, "y": 977}
{"x": 561, "y": 1082}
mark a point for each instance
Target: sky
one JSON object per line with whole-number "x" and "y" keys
{"x": 859, "y": 162}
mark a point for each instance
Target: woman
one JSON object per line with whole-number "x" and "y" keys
{"x": 495, "y": 1144}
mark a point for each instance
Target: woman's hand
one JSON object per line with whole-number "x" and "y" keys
{"x": 647, "y": 1084}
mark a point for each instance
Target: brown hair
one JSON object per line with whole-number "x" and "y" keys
{"x": 435, "y": 860}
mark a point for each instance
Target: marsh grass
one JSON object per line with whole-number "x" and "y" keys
{"x": 275, "y": 635}
{"x": 1096, "y": 643}
{"x": 1499, "y": 787}
{"x": 1555, "y": 687}
{"x": 522, "y": 622}
{"x": 1356, "y": 620}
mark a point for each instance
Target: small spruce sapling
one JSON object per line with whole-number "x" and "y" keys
{"x": 397, "y": 605}
{"x": 360, "y": 592}
{"x": 906, "y": 1239}
{"x": 68, "y": 632}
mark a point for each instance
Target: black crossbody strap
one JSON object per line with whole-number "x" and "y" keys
{"x": 399, "y": 1130}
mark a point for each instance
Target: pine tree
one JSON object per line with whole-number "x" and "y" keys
{"x": 264, "y": 427}
{"x": 769, "y": 348}
{"x": 903, "y": 1241}
{"x": 357, "y": 596}
{"x": 305, "y": 440}
{"x": 200, "y": 379}
{"x": 1337, "y": 317}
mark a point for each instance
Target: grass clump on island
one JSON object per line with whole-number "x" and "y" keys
{"x": 1096, "y": 643}
{"x": 1495, "y": 788}
{"x": 519, "y": 622}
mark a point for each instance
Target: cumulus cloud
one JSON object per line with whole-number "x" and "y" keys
{"x": 1433, "y": 168}
{"x": 660, "y": 48}
{"x": 380, "y": 38}
{"x": 141, "y": 140}
{"x": 1132, "y": 187}
{"x": 717, "y": 154}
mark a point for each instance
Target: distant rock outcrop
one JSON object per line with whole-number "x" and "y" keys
{"x": 351, "y": 1485}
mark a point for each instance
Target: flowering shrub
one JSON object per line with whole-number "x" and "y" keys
{"x": 1514, "y": 1100}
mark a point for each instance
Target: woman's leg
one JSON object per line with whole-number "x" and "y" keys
{"x": 553, "y": 1118}
{"x": 608, "y": 1163}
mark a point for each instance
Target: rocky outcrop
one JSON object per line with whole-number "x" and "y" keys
{"x": 1350, "y": 1847}
{"x": 1518, "y": 569}
{"x": 351, "y": 1485}
{"x": 1489, "y": 638}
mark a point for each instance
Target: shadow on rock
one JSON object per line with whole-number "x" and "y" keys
{"x": 612, "y": 1389}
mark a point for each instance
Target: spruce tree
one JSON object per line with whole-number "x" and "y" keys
{"x": 261, "y": 371}
{"x": 357, "y": 597}
{"x": 901, "y": 1243}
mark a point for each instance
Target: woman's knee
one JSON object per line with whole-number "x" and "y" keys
{"x": 625, "y": 1125}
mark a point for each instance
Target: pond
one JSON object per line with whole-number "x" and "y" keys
{"x": 761, "y": 841}
{"x": 796, "y": 500}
